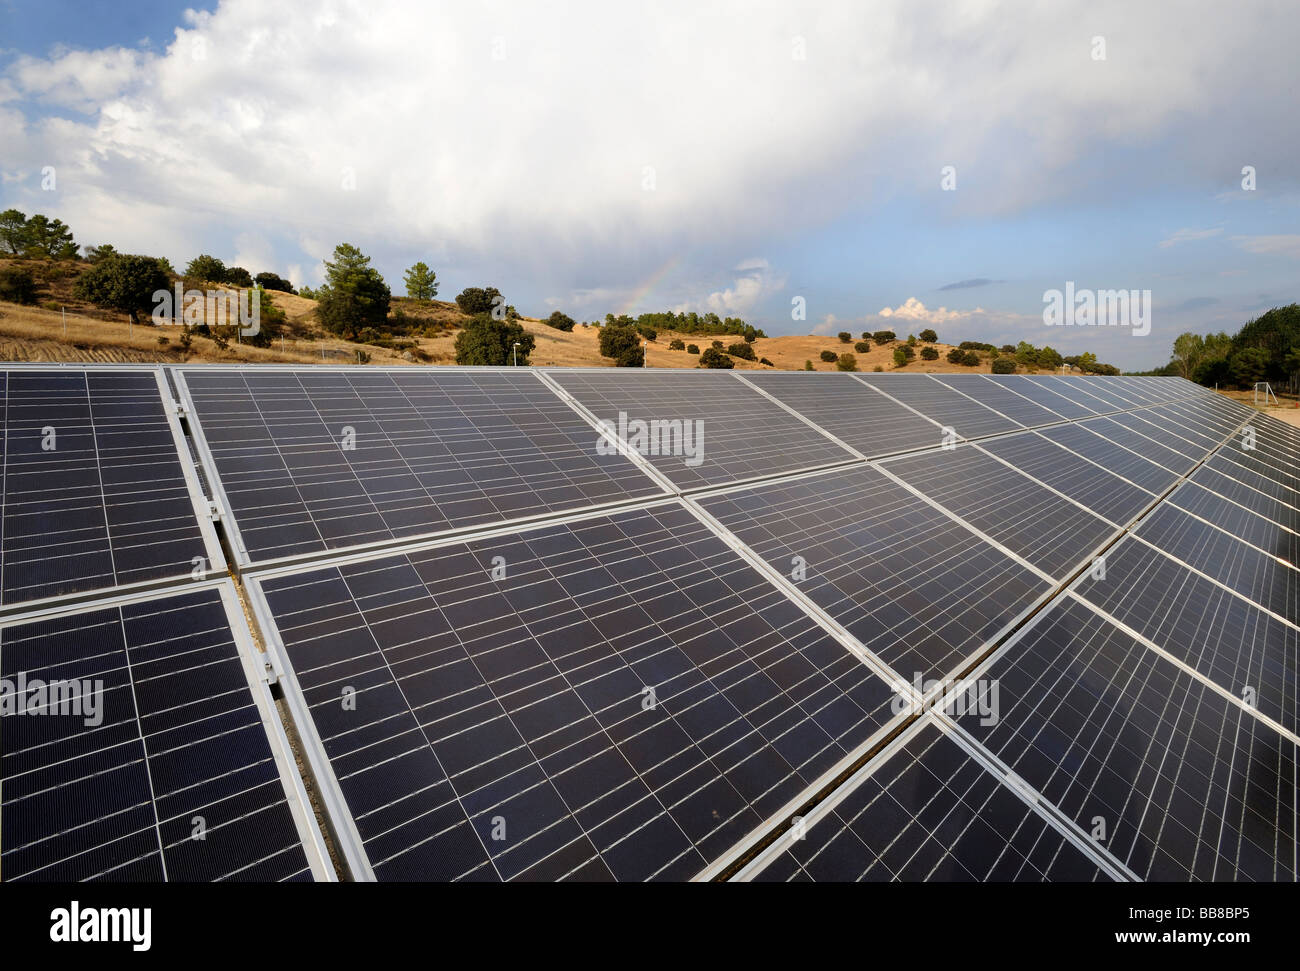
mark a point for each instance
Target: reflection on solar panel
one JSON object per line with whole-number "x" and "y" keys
{"x": 1042, "y": 526}
{"x": 967, "y": 416}
{"x": 94, "y": 492}
{"x": 1121, "y": 433}
{"x": 930, "y": 812}
{"x": 153, "y": 759}
{"x": 1241, "y": 522}
{"x": 1176, "y": 781}
{"x": 916, "y": 588}
{"x": 621, "y": 696}
{"x": 743, "y": 434}
{"x": 1112, "y": 455}
{"x": 325, "y": 460}
{"x": 1038, "y": 391}
{"x": 1244, "y": 650}
{"x": 856, "y": 414}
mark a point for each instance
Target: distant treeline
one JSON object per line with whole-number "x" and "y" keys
{"x": 1267, "y": 348}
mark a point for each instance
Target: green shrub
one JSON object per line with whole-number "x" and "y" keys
{"x": 862, "y": 347}
{"x": 956, "y": 356}
{"x": 808, "y": 366}
{"x": 560, "y": 321}
{"x": 1004, "y": 365}
{"x": 714, "y": 358}
{"x": 692, "y": 348}
{"x": 477, "y": 300}
{"x": 763, "y": 360}
{"x": 930, "y": 353}
{"x": 623, "y": 344}
{"x": 743, "y": 351}
{"x": 845, "y": 337}
{"x": 676, "y": 344}
{"x": 486, "y": 341}
{"x": 649, "y": 333}
{"x": 884, "y": 336}
{"x": 929, "y": 336}
{"x": 900, "y": 357}
{"x": 17, "y": 285}
{"x": 830, "y": 357}
{"x": 846, "y": 362}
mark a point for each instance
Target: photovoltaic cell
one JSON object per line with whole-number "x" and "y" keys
{"x": 1112, "y": 456}
{"x": 314, "y": 460}
{"x": 931, "y": 813}
{"x": 942, "y": 404}
{"x": 94, "y": 494}
{"x": 1188, "y": 785}
{"x": 1036, "y": 390}
{"x": 175, "y": 742}
{"x": 856, "y": 414}
{"x": 1233, "y": 488}
{"x": 625, "y": 698}
{"x": 1245, "y": 651}
{"x": 744, "y": 434}
{"x": 1116, "y": 430}
{"x": 1248, "y": 526}
{"x": 920, "y": 591}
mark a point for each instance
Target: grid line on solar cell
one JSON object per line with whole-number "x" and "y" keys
{"x": 744, "y": 434}
{"x": 433, "y": 452}
{"x": 1112, "y": 429}
{"x": 860, "y": 416}
{"x": 1041, "y": 394}
{"x": 941, "y": 404}
{"x": 1239, "y": 493}
{"x": 1228, "y": 640}
{"x": 484, "y": 692}
{"x": 1114, "y": 457}
{"x": 1246, "y": 569}
{"x": 931, "y": 812}
{"x": 179, "y": 739}
{"x": 918, "y": 590}
{"x": 1188, "y": 785}
{"x": 94, "y": 494}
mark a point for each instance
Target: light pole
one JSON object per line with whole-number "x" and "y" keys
{"x": 514, "y": 355}
{"x": 644, "y": 352}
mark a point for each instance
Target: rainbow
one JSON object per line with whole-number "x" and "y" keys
{"x": 644, "y": 290}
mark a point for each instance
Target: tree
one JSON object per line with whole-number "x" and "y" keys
{"x": 123, "y": 282}
{"x": 970, "y": 358}
{"x": 273, "y": 281}
{"x": 884, "y": 336}
{"x": 487, "y": 341}
{"x": 206, "y": 268}
{"x": 1248, "y": 365}
{"x": 421, "y": 282}
{"x": 692, "y": 348}
{"x": 96, "y": 253}
{"x": 847, "y": 362}
{"x": 930, "y": 353}
{"x": 50, "y": 239}
{"x": 862, "y": 347}
{"x": 237, "y": 276}
{"x": 743, "y": 351}
{"x": 1004, "y": 365}
{"x": 956, "y": 356}
{"x": 1048, "y": 357}
{"x": 900, "y": 357}
{"x": 13, "y": 232}
{"x": 829, "y": 356}
{"x": 478, "y": 300}
{"x": 623, "y": 344}
{"x": 649, "y": 333}
{"x": 677, "y": 344}
{"x": 17, "y": 285}
{"x": 714, "y": 358}
{"x": 929, "y": 336}
{"x": 845, "y": 337}
{"x": 808, "y": 366}
{"x": 560, "y": 321}
{"x": 354, "y": 295}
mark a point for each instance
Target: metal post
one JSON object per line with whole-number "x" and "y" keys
{"x": 514, "y": 355}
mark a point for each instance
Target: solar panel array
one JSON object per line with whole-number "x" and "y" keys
{"x": 138, "y": 739}
{"x": 629, "y": 625}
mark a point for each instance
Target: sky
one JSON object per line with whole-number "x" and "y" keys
{"x": 896, "y": 165}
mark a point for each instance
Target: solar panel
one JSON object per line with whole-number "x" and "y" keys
{"x": 621, "y": 696}
{"x": 1036, "y": 390}
{"x": 918, "y": 590}
{"x": 742, "y": 434}
{"x": 1175, "y": 781}
{"x": 1042, "y": 526}
{"x": 929, "y": 813}
{"x": 942, "y": 404}
{"x": 1114, "y": 456}
{"x": 137, "y": 745}
{"x": 95, "y": 495}
{"x": 854, "y": 413}
{"x": 1244, "y": 650}
{"x": 1003, "y": 398}
{"x": 1097, "y": 393}
{"x": 1105, "y": 493}
{"x": 1237, "y": 491}
{"x": 1249, "y": 570}
{"x": 1246, "y": 525}
{"x": 313, "y": 460}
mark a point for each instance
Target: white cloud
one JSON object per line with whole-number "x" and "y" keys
{"x": 1285, "y": 244}
{"x": 912, "y": 310}
{"x": 1189, "y": 235}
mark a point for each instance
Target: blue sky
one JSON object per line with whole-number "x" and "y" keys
{"x": 711, "y": 156}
